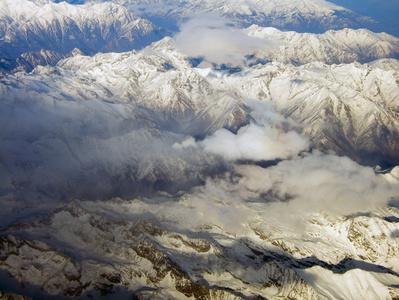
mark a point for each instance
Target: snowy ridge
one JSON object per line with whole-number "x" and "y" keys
{"x": 340, "y": 106}
{"x": 267, "y": 171}
{"x": 135, "y": 256}
{"x": 29, "y": 60}
{"x": 121, "y": 103}
{"x": 27, "y": 26}
{"x": 386, "y": 64}
{"x": 337, "y": 106}
{"x": 332, "y": 47}
{"x": 310, "y": 15}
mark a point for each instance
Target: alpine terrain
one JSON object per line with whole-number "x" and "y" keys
{"x": 164, "y": 149}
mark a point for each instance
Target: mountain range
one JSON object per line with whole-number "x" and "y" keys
{"x": 197, "y": 150}
{"x": 28, "y": 26}
{"x": 309, "y": 16}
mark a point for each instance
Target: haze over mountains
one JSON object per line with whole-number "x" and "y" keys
{"x": 197, "y": 149}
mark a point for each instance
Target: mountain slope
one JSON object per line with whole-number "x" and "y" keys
{"x": 30, "y": 26}
{"x": 163, "y": 174}
{"x": 118, "y": 105}
{"x": 310, "y": 15}
{"x": 27, "y": 26}
{"x": 351, "y": 108}
{"x": 102, "y": 248}
{"x": 331, "y": 47}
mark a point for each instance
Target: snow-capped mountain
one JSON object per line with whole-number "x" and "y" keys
{"x": 342, "y": 107}
{"x": 351, "y": 109}
{"x": 217, "y": 163}
{"x": 27, "y": 26}
{"x": 331, "y": 47}
{"x": 33, "y": 26}
{"x": 308, "y": 16}
{"x": 103, "y": 248}
{"x": 28, "y": 61}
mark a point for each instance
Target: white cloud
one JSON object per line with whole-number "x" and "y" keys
{"x": 268, "y": 137}
{"x": 188, "y": 142}
{"x": 322, "y": 182}
{"x": 284, "y": 195}
{"x": 217, "y": 40}
{"x": 255, "y": 142}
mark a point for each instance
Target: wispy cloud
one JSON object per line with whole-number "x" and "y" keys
{"x": 217, "y": 40}
{"x": 285, "y": 195}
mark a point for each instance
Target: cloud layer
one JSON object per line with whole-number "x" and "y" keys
{"x": 217, "y": 40}
{"x": 254, "y": 142}
{"x": 285, "y": 195}
{"x": 267, "y": 137}
{"x": 282, "y": 198}
{"x": 321, "y": 182}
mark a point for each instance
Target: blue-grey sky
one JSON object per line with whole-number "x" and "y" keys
{"x": 384, "y": 11}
